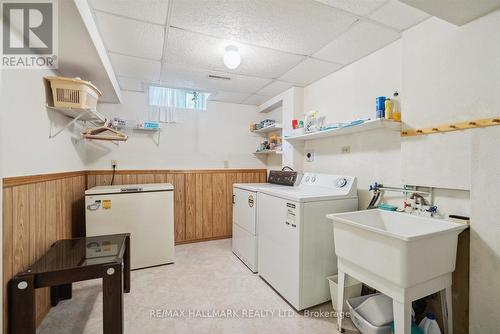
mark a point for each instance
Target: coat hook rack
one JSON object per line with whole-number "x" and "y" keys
{"x": 477, "y": 123}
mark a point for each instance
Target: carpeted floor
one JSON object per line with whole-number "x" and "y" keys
{"x": 185, "y": 297}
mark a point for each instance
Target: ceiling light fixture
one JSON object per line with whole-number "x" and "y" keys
{"x": 232, "y": 58}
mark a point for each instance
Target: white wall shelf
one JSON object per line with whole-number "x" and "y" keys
{"x": 268, "y": 152}
{"x": 271, "y": 128}
{"x": 366, "y": 126}
{"x": 134, "y": 126}
{"x": 85, "y": 115}
{"x": 90, "y": 115}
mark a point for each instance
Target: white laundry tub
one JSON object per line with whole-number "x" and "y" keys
{"x": 403, "y": 249}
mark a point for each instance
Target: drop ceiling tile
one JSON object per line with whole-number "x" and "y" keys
{"x": 206, "y": 52}
{"x": 186, "y": 77}
{"x": 152, "y": 11}
{"x": 358, "y": 7}
{"x": 130, "y": 37}
{"x": 309, "y": 71}
{"x": 274, "y": 88}
{"x": 135, "y": 85}
{"x": 228, "y": 97}
{"x": 294, "y": 26}
{"x": 359, "y": 41}
{"x": 398, "y": 15}
{"x": 135, "y": 67}
{"x": 255, "y": 100}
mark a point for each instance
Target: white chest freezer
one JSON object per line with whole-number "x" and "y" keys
{"x": 146, "y": 211}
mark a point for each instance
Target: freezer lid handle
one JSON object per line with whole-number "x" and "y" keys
{"x": 125, "y": 190}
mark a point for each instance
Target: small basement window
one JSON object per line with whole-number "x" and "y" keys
{"x": 164, "y": 97}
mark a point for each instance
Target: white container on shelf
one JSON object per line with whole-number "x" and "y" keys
{"x": 352, "y": 289}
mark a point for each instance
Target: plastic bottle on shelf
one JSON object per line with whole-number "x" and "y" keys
{"x": 396, "y": 107}
{"x": 429, "y": 325}
{"x": 388, "y": 109}
{"x": 380, "y": 106}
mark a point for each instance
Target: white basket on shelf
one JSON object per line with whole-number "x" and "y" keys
{"x": 65, "y": 92}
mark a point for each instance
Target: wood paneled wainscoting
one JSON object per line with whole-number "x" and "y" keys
{"x": 203, "y": 198}
{"x": 40, "y": 209}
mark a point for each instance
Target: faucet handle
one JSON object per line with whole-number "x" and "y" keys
{"x": 433, "y": 209}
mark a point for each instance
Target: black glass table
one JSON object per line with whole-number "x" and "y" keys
{"x": 73, "y": 260}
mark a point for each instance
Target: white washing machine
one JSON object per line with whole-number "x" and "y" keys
{"x": 296, "y": 250}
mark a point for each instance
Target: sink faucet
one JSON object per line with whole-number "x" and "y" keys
{"x": 422, "y": 205}
{"x": 419, "y": 199}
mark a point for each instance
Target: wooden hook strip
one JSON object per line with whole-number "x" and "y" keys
{"x": 478, "y": 123}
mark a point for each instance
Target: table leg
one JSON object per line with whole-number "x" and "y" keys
{"x": 402, "y": 317}
{"x": 340, "y": 300}
{"x": 22, "y": 305}
{"x": 112, "y": 290}
{"x": 126, "y": 266}
{"x": 446, "y": 306}
{"x": 60, "y": 292}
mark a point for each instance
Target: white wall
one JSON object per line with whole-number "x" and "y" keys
{"x": 485, "y": 233}
{"x": 451, "y": 74}
{"x": 26, "y": 147}
{"x": 204, "y": 139}
{"x": 349, "y": 94}
{"x": 444, "y": 73}
{"x": 376, "y": 155}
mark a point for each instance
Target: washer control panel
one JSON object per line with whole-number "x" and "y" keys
{"x": 342, "y": 183}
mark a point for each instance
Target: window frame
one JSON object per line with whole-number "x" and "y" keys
{"x": 186, "y": 92}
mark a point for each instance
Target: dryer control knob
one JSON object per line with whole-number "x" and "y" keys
{"x": 307, "y": 178}
{"x": 341, "y": 182}
{"x": 313, "y": 179}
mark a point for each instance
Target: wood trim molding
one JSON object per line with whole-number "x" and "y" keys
{"x": 175, "y": 171}
{"x": 183, "y": 242}
{"x": 14, "y": 181}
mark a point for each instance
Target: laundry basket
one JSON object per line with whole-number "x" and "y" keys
{"x": 71, "y": 93}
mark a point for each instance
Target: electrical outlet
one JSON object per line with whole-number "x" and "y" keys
{"x": 226, "y": 163}
{"x": 346, "y": 149}
{"x": 310, "y": 156}
{"x": 114, "y": 163}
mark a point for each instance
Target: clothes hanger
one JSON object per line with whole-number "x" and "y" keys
{"x": 99, "y": 134}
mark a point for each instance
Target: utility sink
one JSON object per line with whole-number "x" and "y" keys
{"x": 405, "y": 257}
{"x": 401, "y": 248}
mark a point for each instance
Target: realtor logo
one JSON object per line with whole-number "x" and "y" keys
{"x": 29, "y": 34}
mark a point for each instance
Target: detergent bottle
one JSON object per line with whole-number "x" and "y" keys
{"x": 429, "y": 325}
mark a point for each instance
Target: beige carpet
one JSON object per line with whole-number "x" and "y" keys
{"x": 207, "y": 290}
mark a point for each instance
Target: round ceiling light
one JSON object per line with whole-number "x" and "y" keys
{"x": 232, "y": 58}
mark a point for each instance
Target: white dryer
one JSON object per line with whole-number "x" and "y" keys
{"x": 295, "y": 241}
{"x": 244, "y": 240}
{"x": 245, "y": 225}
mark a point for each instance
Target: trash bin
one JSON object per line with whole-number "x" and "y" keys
{"x": 352, "y": 289}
